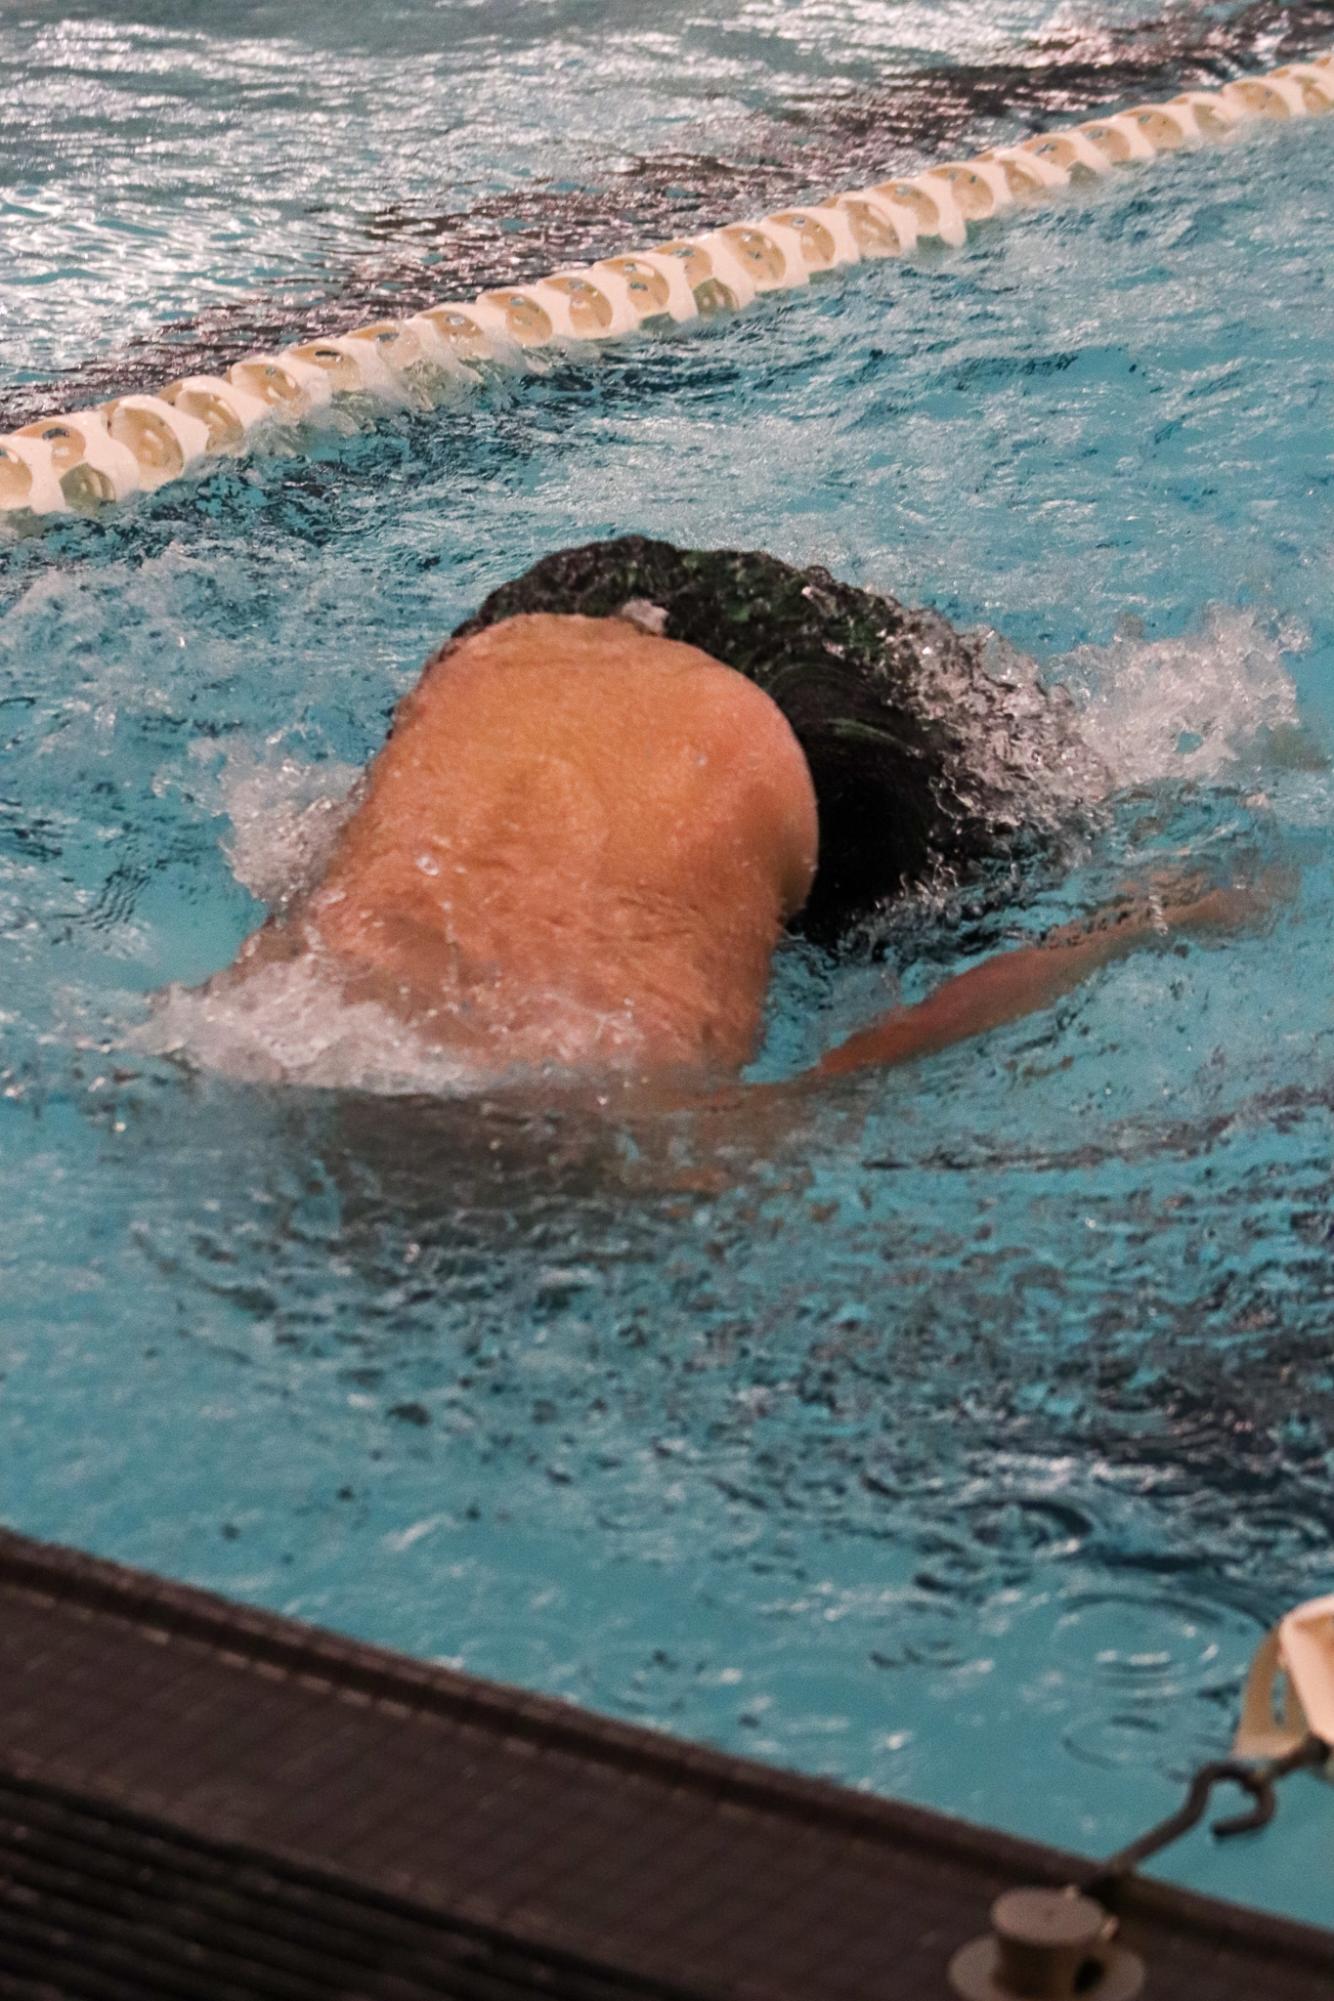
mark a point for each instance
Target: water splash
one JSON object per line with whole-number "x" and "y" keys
{"x": 294, "y": 1024}
{"x": 285, "y": 819}
{"x": 1198, "y": 707}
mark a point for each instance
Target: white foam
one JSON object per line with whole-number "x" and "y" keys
{"x": 285, "y": 817}
{"x": 1194, "y": 707}
{"x": 292, "y": 1023}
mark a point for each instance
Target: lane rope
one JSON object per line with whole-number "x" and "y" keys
{"x": 83, "y": 460}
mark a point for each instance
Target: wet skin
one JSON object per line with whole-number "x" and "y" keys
{"x": 579, "y": 847}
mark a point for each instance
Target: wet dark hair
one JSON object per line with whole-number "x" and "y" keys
{"x": 924, "y": 764}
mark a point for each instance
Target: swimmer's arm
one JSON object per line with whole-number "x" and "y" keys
{"x": 1018, "y": 983}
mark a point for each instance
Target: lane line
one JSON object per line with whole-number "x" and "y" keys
{"x": 85, "y": 459}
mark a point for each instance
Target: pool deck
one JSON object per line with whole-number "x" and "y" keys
{"x": 201, "y": 1800}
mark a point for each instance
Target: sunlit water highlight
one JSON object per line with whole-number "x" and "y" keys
{"x": 957, "y": 1438}
{"x": 154, "y": 162}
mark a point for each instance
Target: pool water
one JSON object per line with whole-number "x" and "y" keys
{"x": 958, "y": 1435}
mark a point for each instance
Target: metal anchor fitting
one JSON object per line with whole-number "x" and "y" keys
{"x": 1047, "y": 1945}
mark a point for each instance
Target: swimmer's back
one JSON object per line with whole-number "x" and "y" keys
{"x": 575, "y": 823}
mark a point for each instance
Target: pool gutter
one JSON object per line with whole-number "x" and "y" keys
{"x": 199, "y": 1799}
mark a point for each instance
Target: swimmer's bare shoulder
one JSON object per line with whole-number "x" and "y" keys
{"x": 577, "y": 847}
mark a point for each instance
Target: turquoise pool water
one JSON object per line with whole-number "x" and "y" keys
{"x": 957, "y": 1438}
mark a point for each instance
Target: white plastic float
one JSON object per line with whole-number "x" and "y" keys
{"x": 91, "y": 466}
{"x": 1028, "y": 174}
{"x": 981, "y": 187}
{"x": 1266, "y": 96}
{"x": 774, "y": 254}
{"x": 1214, "y": 117}
{"x": 1119, "y": 139}
{"x": 354, "y": 366}
{"x": 28, "y": 476}
{"x": 1315, "y": 82}
{"x": 879, "y": 221}
{"x": 92, "y": 457}
{"x": 825, "y": 236}
{"x": 1165, "y": 126}
{"x": 458, "y": 337}
{"x": 282, "y": 383}
{"x": 164, "y": 438}
{"x": 661, "y": 279}
{"x": 722, "y": 282}
{"x": 932, "y": 206}
{"x": 412, "y": 360}
{"x": 1072, "y": 151}
{"x": 226, "y": 411}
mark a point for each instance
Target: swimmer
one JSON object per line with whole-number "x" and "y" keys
{"x": 612, "y": 791}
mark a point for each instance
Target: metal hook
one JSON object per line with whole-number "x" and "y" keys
{"x": 1257, "y": 1780}
{"x": 1045, "y": 1942}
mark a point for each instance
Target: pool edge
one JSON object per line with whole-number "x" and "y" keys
{"x": 569, "y": 1852}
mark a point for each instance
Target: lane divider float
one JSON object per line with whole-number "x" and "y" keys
{"x": 82, "y": 461}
